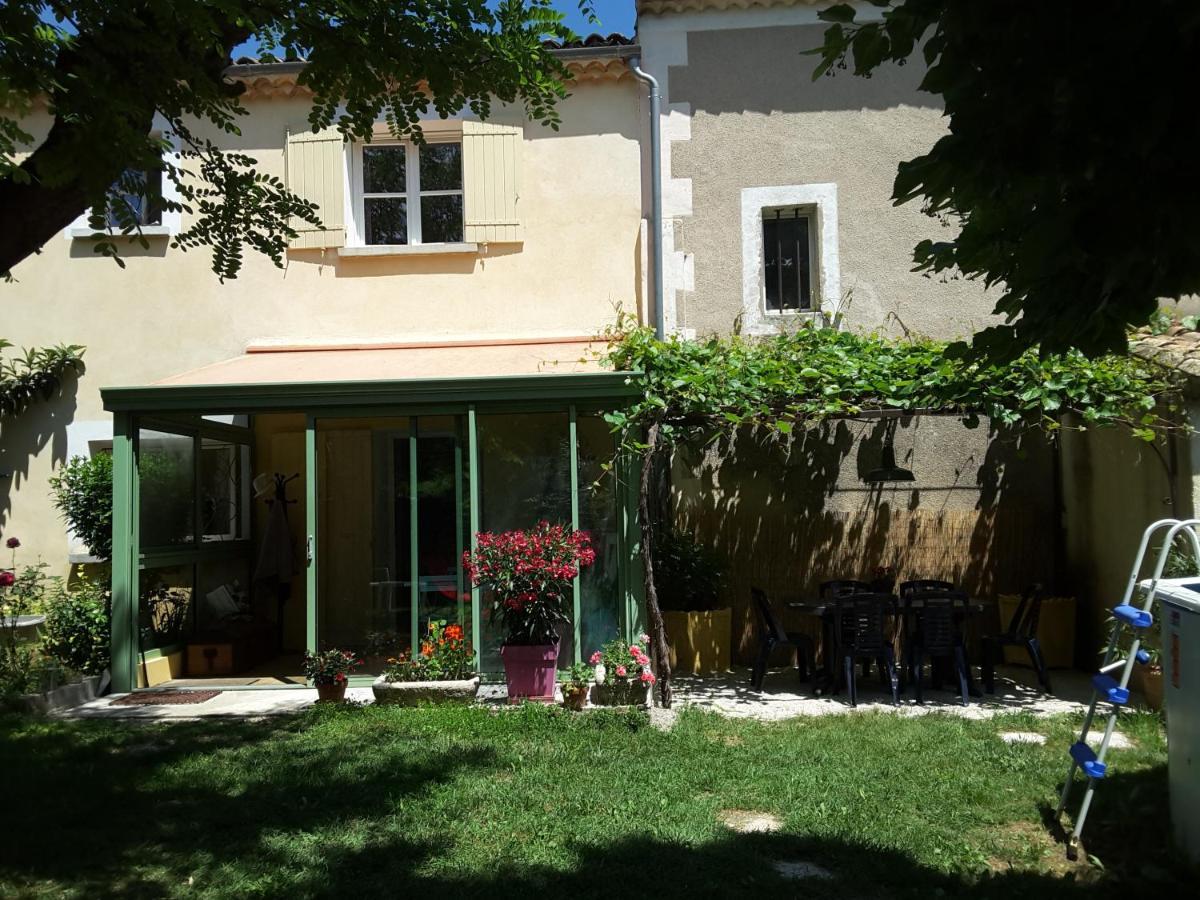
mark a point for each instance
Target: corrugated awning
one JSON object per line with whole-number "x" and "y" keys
{"x": 451, "y": 372}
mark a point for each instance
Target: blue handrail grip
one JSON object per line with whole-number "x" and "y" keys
{"x": 1108, "y": 686}
{"x": 1131, "y": 615}
{"x": 1143, "y": 657}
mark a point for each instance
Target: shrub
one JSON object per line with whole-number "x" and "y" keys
{"x": 686, "y": 573}
{"x": 444, "y": 656}
{"x": 78, "y": 628}
{"x": 83, "y": 495}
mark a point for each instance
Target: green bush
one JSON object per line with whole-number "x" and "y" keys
{"x": 78, "y": 628}
{"x": 687, "y": 573}
{"x": 83, "y": 492}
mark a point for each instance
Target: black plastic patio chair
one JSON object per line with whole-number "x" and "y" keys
{"x": 774, "y": 635}
{"x": 1021, "y": 632}
{"x": 908, "y": 588}
{"x": 861, "y": 629}
{"x": 936, "y": 633}
{"x": 842, "y": 586}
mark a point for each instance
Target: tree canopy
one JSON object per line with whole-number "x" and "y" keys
{"x": 107, "y": 70}
{"x": 1068, "y": 166}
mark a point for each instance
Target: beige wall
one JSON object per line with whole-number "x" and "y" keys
{"x": 165, "y": 312}
{"x": 757, "y": 120}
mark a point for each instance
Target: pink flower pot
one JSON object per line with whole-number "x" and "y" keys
{"x": 529, "y": 672}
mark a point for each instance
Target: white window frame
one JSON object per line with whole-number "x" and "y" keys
{"x": 356, "y": 233}
{"x": 172, "y": 220}
{"x": 821, "y": 199}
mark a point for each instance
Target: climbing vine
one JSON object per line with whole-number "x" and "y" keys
{"x": 35, "y": 374}
{"x": 702, "y": 389}
{"x": 820, "y": 373}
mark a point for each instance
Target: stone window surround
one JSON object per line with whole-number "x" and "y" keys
{"x": 822, "y": 198}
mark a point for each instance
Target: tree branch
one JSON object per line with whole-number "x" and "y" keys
{"x": 658, "y": 631}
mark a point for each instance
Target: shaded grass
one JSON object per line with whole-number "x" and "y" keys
{"x": 384, "y": 801}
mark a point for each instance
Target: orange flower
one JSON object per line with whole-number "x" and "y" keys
{"x": 454, "y": 632}
{"x": 427, "y": 650}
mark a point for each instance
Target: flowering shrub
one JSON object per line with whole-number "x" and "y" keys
{"x": 444, "y": 655}
{"x": 530, "y": 574}
{"x": 329, "y": 666}
{"x": 624, "y": 662}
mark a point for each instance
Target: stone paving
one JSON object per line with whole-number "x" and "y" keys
{"x": 730, "y": 694}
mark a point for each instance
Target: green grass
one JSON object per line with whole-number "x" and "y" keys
{"x": 366, "y": 802}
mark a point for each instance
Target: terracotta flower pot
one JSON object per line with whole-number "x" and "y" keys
{"x": 575, "y": 699}
{"x": 1150, "y": 679}
{"x": 331, "y": 693}
{"x": 529, "y": 672}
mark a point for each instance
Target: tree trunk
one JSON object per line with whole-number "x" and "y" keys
{"x": 658, "y": 632}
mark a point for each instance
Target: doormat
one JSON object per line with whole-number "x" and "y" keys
{"x": 165, "y": 698}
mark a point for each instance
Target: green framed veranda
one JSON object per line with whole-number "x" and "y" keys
{"x": 467, "y": 417}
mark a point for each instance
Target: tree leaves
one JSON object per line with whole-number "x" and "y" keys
{"x": 1070, "y": 183}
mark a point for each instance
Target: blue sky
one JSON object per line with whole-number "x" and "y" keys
{"x": 615, "y": 15}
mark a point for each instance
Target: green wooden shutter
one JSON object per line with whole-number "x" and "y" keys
{"x": 492, "y": 182}
{"x": 316, "y": 171}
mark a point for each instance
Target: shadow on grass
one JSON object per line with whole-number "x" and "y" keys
{"x": 281, "y": 808}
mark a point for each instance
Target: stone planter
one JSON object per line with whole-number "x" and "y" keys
{"x": 413, "y": 693}
{"x": 632, "y": 693}
{"x": 64, "y": 697}
{"x": 700, "y": 641}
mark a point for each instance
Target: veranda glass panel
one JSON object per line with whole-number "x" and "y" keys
{"x": 167, "y": 488}
{"x": 166, "y": 613}
{"x": 439, "y": 539}
{"x": 224, "y": 490}
{"x": 525, "y": 476}
{"x": 600, "y": 599}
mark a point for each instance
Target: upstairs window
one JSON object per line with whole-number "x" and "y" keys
{"x": 788, "y": 253}
{"x": 409, "y": 194}
{"x": 136, "y": 195}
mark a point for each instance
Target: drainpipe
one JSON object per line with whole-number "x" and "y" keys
{"x": 656, "y": 218}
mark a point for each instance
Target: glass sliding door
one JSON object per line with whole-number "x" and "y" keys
{"x": 391, "y": 528}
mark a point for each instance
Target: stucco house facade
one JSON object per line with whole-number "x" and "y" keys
{"x": 778, "y": 211}
{"x": 421, "y": 369}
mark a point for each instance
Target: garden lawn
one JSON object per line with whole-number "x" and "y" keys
{"x": 377, "y": 801}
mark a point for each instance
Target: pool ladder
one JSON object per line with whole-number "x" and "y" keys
{"x": 1113, "y": 691}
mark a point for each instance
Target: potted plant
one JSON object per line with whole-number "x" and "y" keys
{"x": 529, "y": 574}
{"x": 622, "y": 670}
{"x": 688, "y": 575}
{"x": 442, "y": 670}
{"x": 329, "y": 671}
{"x": 575, "y": 686}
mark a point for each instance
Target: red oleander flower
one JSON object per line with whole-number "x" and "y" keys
{"x": 12, "y": 543}
{"x": 7, "y": 579}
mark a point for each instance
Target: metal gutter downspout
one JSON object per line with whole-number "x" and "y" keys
{"x": 656, "y": 217}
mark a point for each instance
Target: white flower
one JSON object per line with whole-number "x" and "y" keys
{"x": 600, "y": 672}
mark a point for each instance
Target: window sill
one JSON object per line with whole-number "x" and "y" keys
{"x": 148, "y": 231}
{"x": 409, "y": 250}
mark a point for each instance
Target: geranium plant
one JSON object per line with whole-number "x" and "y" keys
{"x": 329, "y": 666}
{"x": 624, "y": 662}
{"x": 530, "y": 575}
{"x": 444, "y": 655}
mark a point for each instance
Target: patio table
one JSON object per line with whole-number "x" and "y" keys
{"x": 825, "y": 680}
